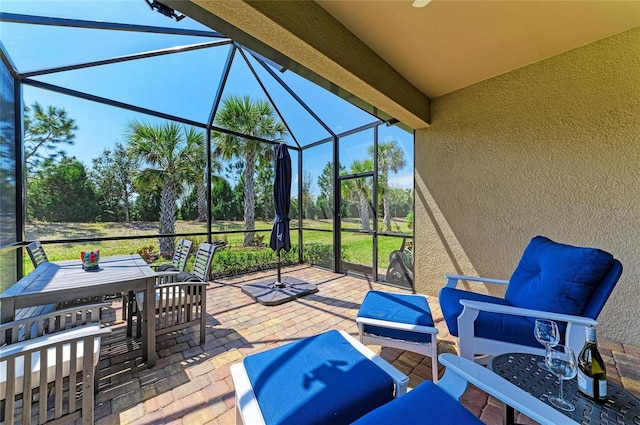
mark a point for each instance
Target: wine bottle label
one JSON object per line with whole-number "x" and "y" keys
{"x": 585, "y": 384}
{"x": 603, "y": 388}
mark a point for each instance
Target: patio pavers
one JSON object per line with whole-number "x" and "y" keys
{"x": 191, "y": 383}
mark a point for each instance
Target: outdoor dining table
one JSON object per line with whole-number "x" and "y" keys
{"x": 61, "y": 281}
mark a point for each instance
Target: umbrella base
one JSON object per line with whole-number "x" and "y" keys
{"x": 271, "y": 292}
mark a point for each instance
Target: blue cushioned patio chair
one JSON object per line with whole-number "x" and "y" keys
{"x": 554, "y": 281}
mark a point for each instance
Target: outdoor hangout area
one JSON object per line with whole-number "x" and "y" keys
{"x": 285, "y": 212}
{"x": 208, "y": 352}
{"x": 191, "y": 382}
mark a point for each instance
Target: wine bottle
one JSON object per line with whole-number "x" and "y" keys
{"x": 592, "y": 373}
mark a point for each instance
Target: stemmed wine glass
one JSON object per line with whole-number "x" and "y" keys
{"x": 547, "y": 333}
{"x": 561, "y": 361}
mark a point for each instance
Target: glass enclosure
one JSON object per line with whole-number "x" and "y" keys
{"x": 126, "y": 129}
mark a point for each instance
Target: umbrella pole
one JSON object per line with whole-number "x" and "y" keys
{"x": 279, "y": 280}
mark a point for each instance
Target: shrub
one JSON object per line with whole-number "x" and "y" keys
{"x": 241, "y": 260}
{"x": 315, "y": 253}
{"x": 410, "y": 220}
{"x": 148, "y": 255}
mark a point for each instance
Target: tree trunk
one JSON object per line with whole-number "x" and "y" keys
{"x": 202, "y": 201}
{"x": 387, "y": 212}
{"x": 126, "y": 205}
{"x": 364, "y": 212}
{"x": 249, "y": 202}
{"x": 168, "y": 211}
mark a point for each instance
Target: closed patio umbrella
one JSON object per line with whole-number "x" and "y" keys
{"x": 280, "y": 237}
{"x": 282, "y": 290}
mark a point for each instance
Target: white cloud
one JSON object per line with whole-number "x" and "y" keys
{"x": 404, "y": 181}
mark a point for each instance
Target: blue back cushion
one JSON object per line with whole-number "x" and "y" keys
{"x": 321, "y": 379}
{"x": 556, "y": 277}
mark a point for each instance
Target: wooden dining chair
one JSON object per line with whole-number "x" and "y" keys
{"x": 178, "y": 264}
{"x": 180, "y": 298}
{"x": 180, "y": 257}
{"x": 66, "y": 341}
{"x": 36, "y": 253}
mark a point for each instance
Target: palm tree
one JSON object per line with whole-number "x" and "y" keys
{"x": 198, "y": 179}
{"x": 359, "y": 190}
{"x": 168, "y": 151}
{"x": 258, "y": 118}
{"x": 390, "y": 158}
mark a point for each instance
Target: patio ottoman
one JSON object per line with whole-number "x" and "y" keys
{"x": 426, "y": 404}
{"x": 325, "y": 379}
{"x": 400, "y": 321}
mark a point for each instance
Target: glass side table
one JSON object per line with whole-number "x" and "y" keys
{"x": 522, "y": 370}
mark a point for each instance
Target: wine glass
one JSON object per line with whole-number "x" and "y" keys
{"x": 561, "y": 361}
{"x": 547, "y": 333}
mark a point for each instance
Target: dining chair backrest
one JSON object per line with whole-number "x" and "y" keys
{"x": 203, "y": 260}
{"x": 180, "y": 256}
{"x": 36, "y": 253}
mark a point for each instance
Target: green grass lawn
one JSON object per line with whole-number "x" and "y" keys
{"x": 356, "y": 247}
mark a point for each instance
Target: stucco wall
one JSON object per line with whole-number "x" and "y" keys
{"x": 550, "y": 149}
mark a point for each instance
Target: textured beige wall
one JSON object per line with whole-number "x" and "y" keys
{"x": 550, "y": 149}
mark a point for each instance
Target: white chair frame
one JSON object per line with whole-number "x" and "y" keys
{"x": 471, "y": 346}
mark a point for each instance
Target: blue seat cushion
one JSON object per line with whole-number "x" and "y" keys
{"x": 425, "y": 404}
{"x": 318, "y": 380}
{"x": 399, "y": 308}
{"x": 556, "y": 277}
{"x": 504, "y": 327}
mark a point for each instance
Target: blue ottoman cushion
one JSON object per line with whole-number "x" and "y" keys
{"x": 504, "y": 327}
{"x": 555, "y": 277}
{"x": 425, "y": 404}
{"x": 399, "y": 308}
{"x": 317, "y": 380}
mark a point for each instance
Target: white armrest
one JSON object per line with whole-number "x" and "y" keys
{"x": 518, "y": 311}
{"x": 54, "y": 338}
{"x": 247, "y": 407}
{"x": 500, "y": 388}
{"x": 452, "y": 280}
{"x": 574, "y": 335}
{"x": 397, "y": 325}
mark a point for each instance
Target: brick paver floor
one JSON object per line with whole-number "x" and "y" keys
{"x": 190, "y": 384}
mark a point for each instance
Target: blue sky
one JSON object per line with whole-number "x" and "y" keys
{"x": 182, "y": 84}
